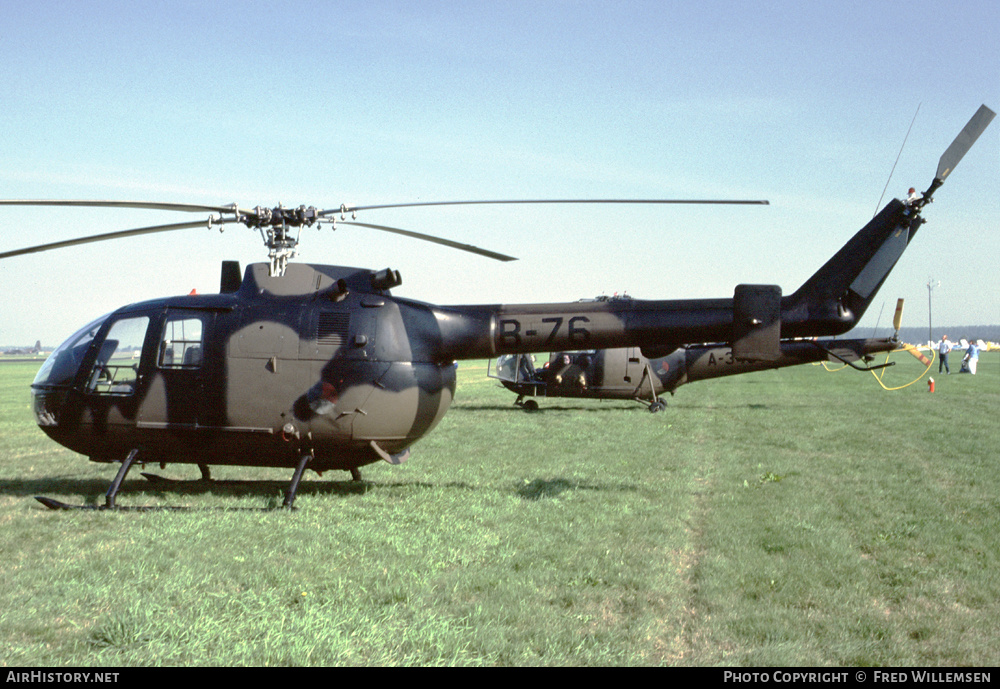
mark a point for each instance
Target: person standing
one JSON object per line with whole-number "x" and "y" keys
{"x": 972, "y": 356}
{"x": 943, "y": 349}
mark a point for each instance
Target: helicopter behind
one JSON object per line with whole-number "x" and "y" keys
{"x": 626, "y": 374}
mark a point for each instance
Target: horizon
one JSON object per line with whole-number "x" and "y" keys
{"x": 852, "y": 334}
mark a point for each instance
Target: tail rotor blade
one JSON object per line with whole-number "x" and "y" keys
{"x": 897, "y": 320}
{"x": 918, "y": 355}
{"x": 963, "y": 142}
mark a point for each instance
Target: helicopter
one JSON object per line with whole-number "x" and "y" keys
{"x": 300, "y": 366}
{"x": 625, "y": 374}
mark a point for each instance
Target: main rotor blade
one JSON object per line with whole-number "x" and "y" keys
{"x": 242, "y": 215}
{"x": 436, "y": 240}
{"x": 349, "y": 209}
{"x": 963, "y": 142}
{"x": 184, "y": 207}
{"x": 111, "y": 235}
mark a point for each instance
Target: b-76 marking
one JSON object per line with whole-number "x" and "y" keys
{"x": 576, "y": 332}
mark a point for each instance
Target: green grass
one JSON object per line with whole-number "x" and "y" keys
{"x": 793, "y": 517}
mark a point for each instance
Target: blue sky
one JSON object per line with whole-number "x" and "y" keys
{"x": 320, "y": 103}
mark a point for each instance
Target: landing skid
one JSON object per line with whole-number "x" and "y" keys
{"x": 56, "y": 505}
{"x": 205, "y": 480}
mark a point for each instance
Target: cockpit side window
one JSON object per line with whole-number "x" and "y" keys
{"x": 516, "y": 368}
{"x": 182, "y": 344}
{"x": 116, "y": 369}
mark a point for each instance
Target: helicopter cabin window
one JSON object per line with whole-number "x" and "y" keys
{"x": 182, "y": 344}
{"x": 116, "y": 369}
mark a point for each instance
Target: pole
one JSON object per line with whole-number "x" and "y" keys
{"x": 930, "y": 322}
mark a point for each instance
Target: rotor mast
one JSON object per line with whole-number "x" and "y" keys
{"x": 275, "y": 225}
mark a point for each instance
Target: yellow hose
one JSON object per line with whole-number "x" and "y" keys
{"x": 916, "y": 353}
{"x": 880, "y": 372}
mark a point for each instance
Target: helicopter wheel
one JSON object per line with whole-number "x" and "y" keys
{"x": 658, "y": 405}
{"x": 356, "y": 474}
{"x": 530, "y": 405}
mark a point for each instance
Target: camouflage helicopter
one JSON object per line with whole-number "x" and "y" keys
{"x": 625, "y": 374}
{"x": 309, "y": 366}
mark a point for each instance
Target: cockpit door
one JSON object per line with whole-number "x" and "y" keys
{"x": 621, "y": 368}
{"x": 179, "y": 392}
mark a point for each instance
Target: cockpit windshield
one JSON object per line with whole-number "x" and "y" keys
{"x": 62, "y": 365}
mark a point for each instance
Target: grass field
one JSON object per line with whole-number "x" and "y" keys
{"x": 795, "y": 517}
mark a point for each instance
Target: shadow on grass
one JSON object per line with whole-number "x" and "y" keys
{"x": 91, "y": 491}
{"x": 98, "y": 487}
{"x": 552, "y": 488}
{"x": 621, "y": 405}
{"x": 780, "y": 405}
{"x": 558, "y": 407}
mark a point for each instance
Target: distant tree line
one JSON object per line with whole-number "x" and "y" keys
{"x": 918, "y": 335}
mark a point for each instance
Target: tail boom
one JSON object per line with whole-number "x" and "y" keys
{"x": 754, "y": 322}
